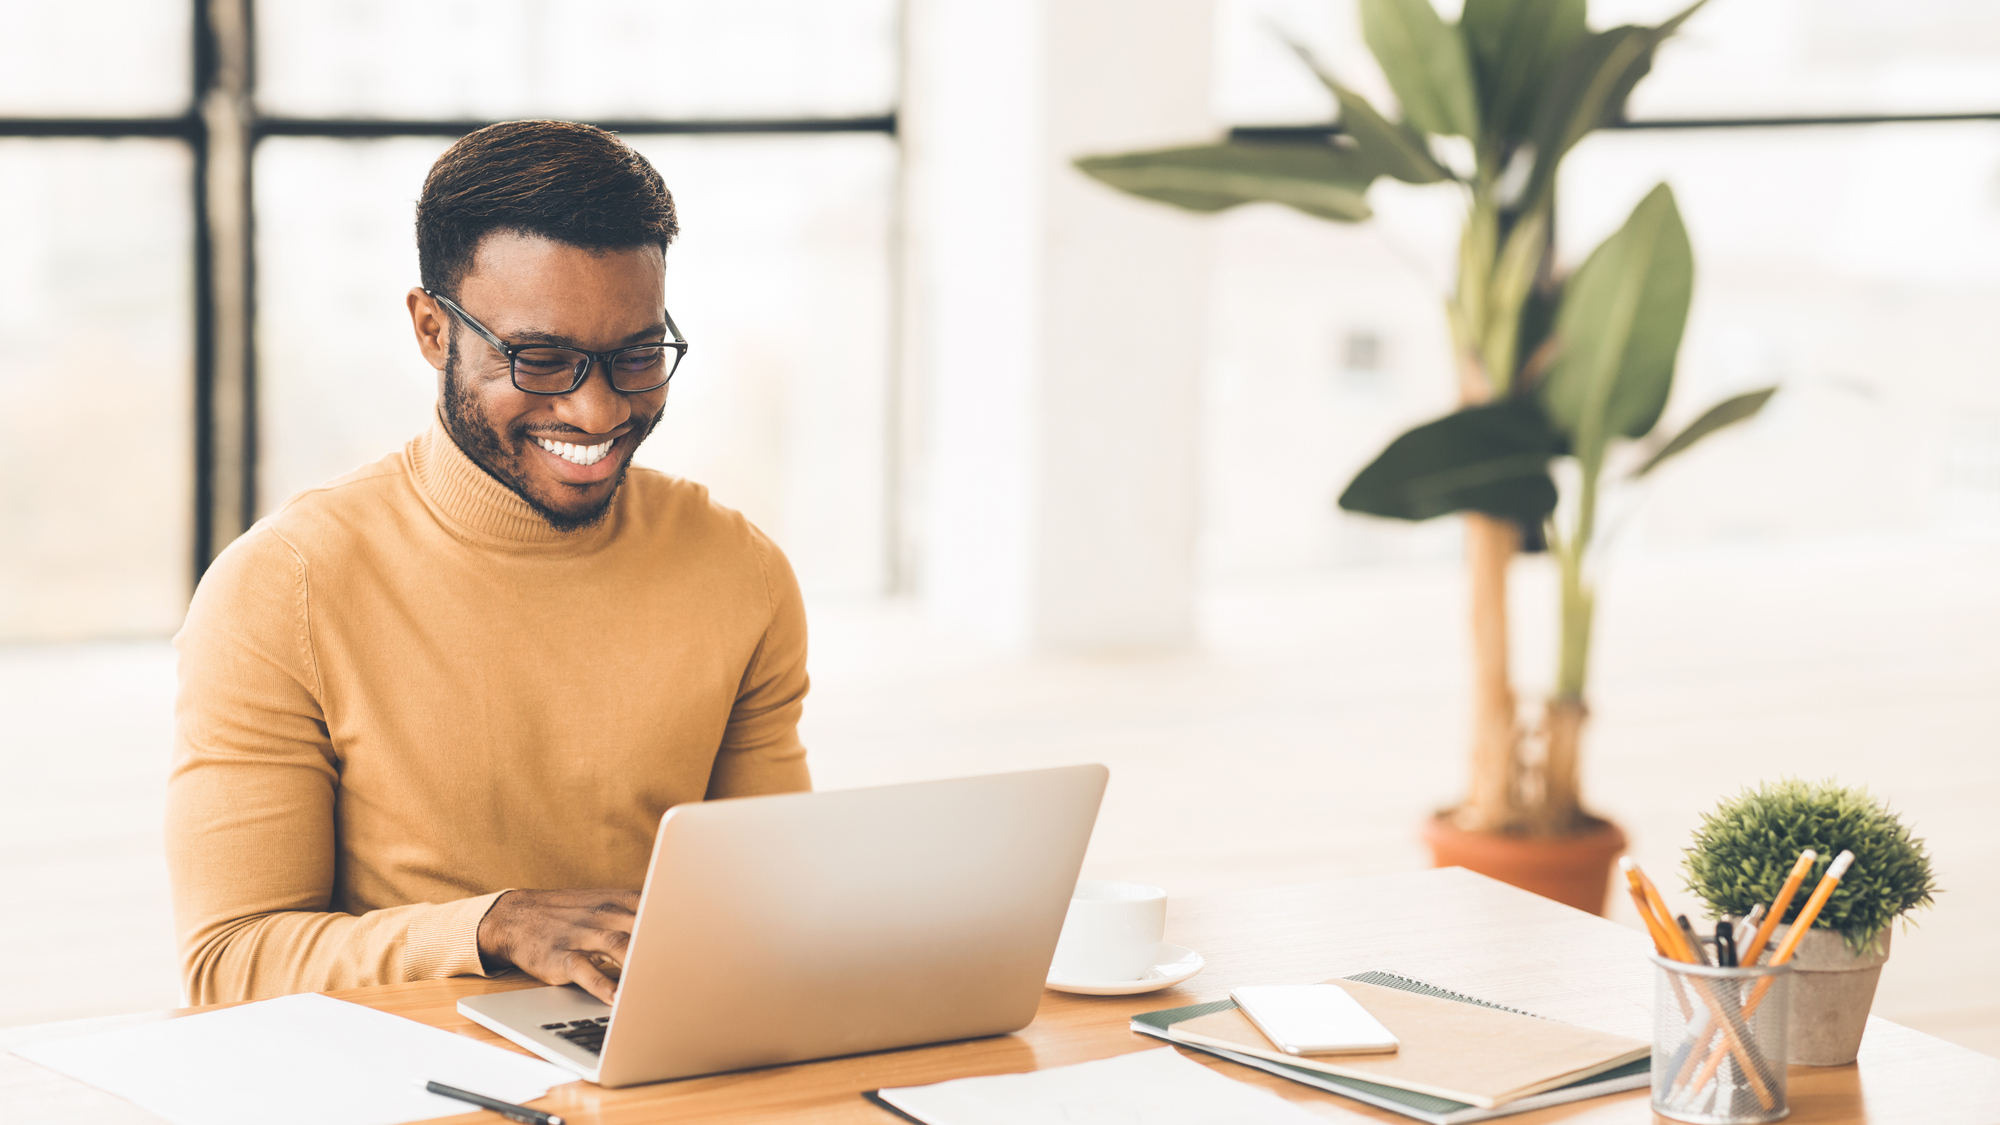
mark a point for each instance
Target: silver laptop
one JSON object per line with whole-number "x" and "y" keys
{"x": 807, "y": 925}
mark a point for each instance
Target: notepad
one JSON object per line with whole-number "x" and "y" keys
{"x": 1624, "y": 1067}
{"x": 1146, "y": 1088}
{"x": 302, "y": 1060}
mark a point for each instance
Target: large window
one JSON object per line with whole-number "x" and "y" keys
{"x": 196, "y": 200}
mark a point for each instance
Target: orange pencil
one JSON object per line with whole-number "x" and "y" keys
{"x": 1645, "y": 908}
{"x": 1682, "y": 951}
{"x": 1747, "y": 956}
{"x": 1678, "y": 949}
{"x": 1808, "y": 914}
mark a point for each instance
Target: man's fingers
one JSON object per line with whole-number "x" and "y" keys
{"x": 583, "y": 972}
{"x": 605, "y": 942}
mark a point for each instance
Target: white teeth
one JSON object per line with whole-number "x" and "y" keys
{"x": 577, "y": 454}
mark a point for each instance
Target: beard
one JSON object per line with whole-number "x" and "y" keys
{"x": 480, "y": 442}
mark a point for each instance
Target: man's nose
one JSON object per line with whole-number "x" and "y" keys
{"x": 595, "y": 406}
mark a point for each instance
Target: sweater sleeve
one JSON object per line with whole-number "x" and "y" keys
{"x": 250, "y": 838}
{"x": 761, "y": 751}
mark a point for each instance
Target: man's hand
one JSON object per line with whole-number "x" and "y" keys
{"x": 560, "y": 937}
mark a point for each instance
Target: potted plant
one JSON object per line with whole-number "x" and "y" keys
{"x": 1740, "y": 857}
{"x": 1549, "y": 366}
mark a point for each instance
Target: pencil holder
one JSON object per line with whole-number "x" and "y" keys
{"x": 1719, "y": 1042}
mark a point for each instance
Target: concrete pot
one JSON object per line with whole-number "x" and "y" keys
{"x": 1832, "y": 990}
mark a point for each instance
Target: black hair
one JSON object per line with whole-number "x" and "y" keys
{"x": 559, "y": 180}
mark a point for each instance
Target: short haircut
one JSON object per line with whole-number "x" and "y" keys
{"x": 559, "y": 180}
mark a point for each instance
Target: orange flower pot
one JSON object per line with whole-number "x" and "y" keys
{"x": 1574, "y": 870}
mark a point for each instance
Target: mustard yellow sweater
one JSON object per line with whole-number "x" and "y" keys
{"x": 403, "y": 693}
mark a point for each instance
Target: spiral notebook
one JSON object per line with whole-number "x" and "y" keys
{"x": 1445, "y": 1053}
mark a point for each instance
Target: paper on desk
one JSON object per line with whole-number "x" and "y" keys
{"x": 304, "y": 1060}
{"x": 1148, "y": 1088}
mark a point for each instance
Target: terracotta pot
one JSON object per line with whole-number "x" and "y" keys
{"x": 1573, "y": 870}
{"x": 1832, "y": 990}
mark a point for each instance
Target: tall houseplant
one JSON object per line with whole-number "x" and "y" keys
{"x": 1548, "y": 366}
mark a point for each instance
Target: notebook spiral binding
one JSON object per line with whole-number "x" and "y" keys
{"x": 1411, "y": 984}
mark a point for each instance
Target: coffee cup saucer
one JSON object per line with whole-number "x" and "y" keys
{"x": 1177, "y": 963}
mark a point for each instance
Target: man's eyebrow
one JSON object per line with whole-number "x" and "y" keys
{"x": 651, "y": 334}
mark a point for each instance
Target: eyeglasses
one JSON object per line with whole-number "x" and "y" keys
{"x": 543, "y": 369}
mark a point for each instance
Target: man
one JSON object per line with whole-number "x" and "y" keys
{"x": 432, "y": 711}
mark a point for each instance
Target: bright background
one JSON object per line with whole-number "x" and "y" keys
{"x": 1816, "y": 594}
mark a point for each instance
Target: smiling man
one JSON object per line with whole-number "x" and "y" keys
{"x": 432, "y": 711}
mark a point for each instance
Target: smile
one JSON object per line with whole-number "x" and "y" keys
{"x": 577, "y": 454}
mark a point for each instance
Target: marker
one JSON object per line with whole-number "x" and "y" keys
{"x": 509, "y": 1110}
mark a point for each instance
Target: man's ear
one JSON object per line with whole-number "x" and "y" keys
{"x": 432, "y": 327}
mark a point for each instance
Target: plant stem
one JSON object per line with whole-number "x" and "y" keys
{"x": 1579, "y": 600}
{"x": 1492, "y": 800}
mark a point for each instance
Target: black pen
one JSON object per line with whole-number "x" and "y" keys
{"x": 1700, "y": 947}
{"x": 1725, "y": 944}
{"x": 505, "y": 1109}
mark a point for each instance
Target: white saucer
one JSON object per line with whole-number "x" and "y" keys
{"x": 1177, "y": 963}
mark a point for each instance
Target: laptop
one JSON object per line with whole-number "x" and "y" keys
{"x": 808, "y": 925}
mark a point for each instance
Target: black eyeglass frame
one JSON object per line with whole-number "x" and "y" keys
{"x": 582, "y": 371}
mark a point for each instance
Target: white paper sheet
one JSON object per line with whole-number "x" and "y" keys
{"x": 304, "y": 1060}
{"x": 1146, "y": 1088}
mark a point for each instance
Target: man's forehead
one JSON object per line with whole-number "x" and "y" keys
{"x": 517, "y": 256}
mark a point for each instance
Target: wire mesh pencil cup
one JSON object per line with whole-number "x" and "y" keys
{"x": 1719, "y": 1042}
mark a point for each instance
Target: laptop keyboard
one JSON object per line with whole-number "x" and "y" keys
{"x": 588, "y": 1034}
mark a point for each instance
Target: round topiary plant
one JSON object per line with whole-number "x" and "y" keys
{"x": 1746, "y": 847}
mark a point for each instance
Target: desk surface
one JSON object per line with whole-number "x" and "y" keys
{"x": 1449, "y": 927}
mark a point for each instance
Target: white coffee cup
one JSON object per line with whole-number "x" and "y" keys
{"x": 1112, "y": 932}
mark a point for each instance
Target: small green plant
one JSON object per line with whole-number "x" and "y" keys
{"x": 1745, "y": 848}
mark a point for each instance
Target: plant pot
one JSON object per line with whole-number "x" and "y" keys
{"x": 1832, "y": 990}
{"x": 1574, "y": 870}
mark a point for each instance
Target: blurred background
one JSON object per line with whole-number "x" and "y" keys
{"x": 1056, "y": 467}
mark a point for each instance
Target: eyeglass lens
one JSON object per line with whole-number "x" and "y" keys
{"x": 556, "y": 370}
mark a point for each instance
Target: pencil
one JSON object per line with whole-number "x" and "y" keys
{"x": 1681, "y": 950}
{"x": 1828, "y": 883}
{"x": 1731, "y": 1038}
{"x": 1645, "y": 908}
{"x": 1748, "y": 954}
{"x": 1808, "y": 914}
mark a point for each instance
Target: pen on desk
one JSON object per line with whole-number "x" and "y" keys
{"x": 505, "y": 1109}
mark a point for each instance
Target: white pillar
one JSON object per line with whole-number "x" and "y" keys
{"x": 1055, "y": 326}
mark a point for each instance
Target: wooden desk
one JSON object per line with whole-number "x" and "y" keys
{"x": 1449, "y": 927}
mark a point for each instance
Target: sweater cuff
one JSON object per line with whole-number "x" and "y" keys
{"x": 444, "y": 941}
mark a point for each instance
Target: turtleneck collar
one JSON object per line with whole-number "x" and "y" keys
{"x": 471, "y": 502}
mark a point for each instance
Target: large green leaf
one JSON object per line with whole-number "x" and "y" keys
{"x": 1315, "y": 177}
{"x": 1516, "y": 47}
{"x": 1620, "y": 326}
{"x": 1588, "y": 89}
{"x": 1426, "y": 64}
{"x": 1723, "y": 414}
{"x": 1393, "y": 150}
{"x": 1492, "y": 459}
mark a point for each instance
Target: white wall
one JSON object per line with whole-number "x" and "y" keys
{"x": 1057, "y": 327}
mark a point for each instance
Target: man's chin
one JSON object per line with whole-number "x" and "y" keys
{"x": 564, "y": 514}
